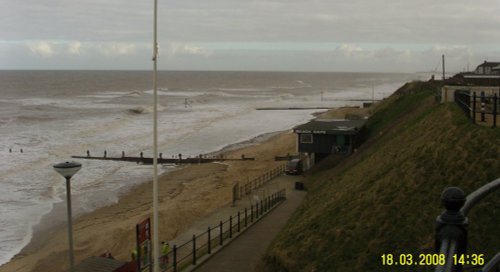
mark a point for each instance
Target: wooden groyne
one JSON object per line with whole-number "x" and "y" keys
{"x": 297, "y": 108}
{"x": 315, "y": 108}
{"x": 149, "y": 160}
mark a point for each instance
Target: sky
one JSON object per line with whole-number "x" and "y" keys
{"x": 268, "y": 35}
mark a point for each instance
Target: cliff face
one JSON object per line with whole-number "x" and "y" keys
{"x": 385, "y": 198}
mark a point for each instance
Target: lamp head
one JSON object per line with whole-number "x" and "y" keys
{"x": 67, "y": 169}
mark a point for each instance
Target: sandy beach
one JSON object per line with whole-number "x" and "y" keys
{"x": 185, "y": 195}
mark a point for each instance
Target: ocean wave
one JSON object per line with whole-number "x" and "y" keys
{"x": 143, "y": 110}
{"x": 116, "y": 121}
{"x": 134, "y": 94}
{"x": 33, "y": 118}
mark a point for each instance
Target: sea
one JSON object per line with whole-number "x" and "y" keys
{"x": 48, "y": 116}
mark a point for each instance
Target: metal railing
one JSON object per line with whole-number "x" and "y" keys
{"x": 190, "y": 252}
{"x": 451, "y": 226}
{"x": 259, "y": 181}
{"x": 480, "y": 107}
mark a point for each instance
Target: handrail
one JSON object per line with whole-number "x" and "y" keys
{"x": 451, "y": 225}
{"x": 479, "y": 194}
{"x": 494, "y": 262}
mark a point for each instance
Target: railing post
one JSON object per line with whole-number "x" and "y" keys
{"x": 209, "y": 241}
{"x": 221, "y": 240}
{"x": 194, "y": 249}
{"x": 246, "y": 217}
{"x": 256, "y": 210}
{"x": 251, "y": 213}
{"x": 261, "y": 208}
{"x": 238, "y": 221}
{"x": 474, "y": 107}
{"x": 230, "y": 226}
{"x": 174, "y": 261}
{"x": 451, "y": 225}
{"x": 495, "y": 101}
{"x": 467, "y": 100}
{"x": 483, "y": 107}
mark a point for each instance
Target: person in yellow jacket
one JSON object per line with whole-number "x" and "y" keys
{"x": 165, "y": 249}
{"x": 134, "y": 254}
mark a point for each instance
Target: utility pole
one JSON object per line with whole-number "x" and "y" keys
{"x": 156, "y": 250}
{"x": 443, "y": 67}
{"x": 373, "y": 94}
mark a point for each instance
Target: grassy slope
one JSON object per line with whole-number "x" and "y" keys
{"x": 385, "y": 197}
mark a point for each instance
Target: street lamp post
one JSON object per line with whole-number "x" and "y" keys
{"x": 67, "y": 170}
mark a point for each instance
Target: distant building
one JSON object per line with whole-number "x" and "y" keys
{"x": 322, "y": 137}
{"x": 487, "y": 68}
{"x": 486, "y": 74}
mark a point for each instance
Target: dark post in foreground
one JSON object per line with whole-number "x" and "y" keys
{"x": 67, "y": 170}
{"x": 495, "y": 102}
{"x": 451, "y": 228}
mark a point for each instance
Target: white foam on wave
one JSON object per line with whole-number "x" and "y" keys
{"x": 214, "y": 120}
{"x": 109, "y": 95}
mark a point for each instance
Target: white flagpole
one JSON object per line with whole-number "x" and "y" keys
{"x": 156, "y": 244}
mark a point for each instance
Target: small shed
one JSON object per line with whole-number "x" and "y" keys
{"x": 322, "y": 137}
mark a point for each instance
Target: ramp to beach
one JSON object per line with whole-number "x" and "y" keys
{"x": 245, "y": 252}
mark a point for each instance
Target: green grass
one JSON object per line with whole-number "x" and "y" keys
{"x": 385, "y": 198}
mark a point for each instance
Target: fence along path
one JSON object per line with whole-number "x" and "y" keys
{"x": 269, "y": 196}
{"x": 480, "y": 109}
{"x": 193, "y": 250}
{"x": 244, "y": 253}
{"x": 261, "y": 180}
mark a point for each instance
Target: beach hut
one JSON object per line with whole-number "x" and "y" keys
{"x": 322, "y": 137}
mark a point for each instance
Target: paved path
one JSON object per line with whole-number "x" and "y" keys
{"x": 245, "y": 252}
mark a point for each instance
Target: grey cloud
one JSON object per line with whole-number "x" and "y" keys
{"x": 123, "y": 29}
{"x": 189, "y": 20}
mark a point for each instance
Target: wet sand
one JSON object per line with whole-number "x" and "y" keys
{"x": 185, "y": 195}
